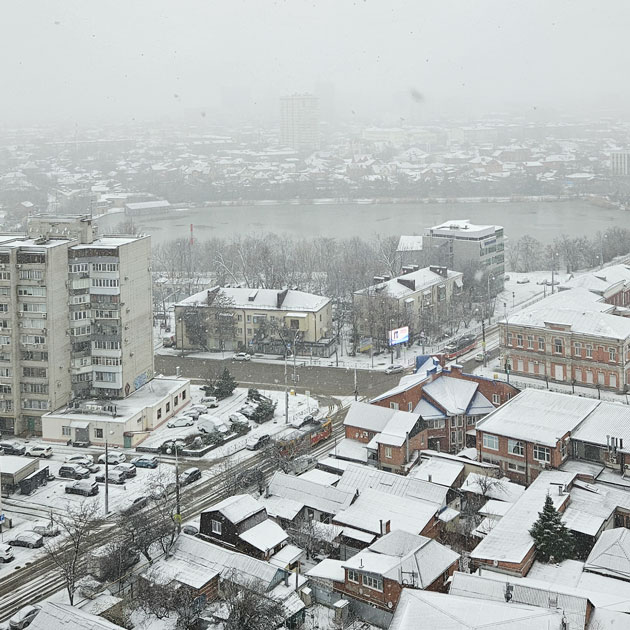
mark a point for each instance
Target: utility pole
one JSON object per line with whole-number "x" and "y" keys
{"x": 106, "y": 472}
{"x": 483, "y": 341}
{"x": 507, "y": 355}
{"x": 356, "y": 390}
{"x": 178, "y": 516}
{"x": 286, "y": 390}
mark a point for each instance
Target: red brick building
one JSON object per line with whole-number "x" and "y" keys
{"x": 449, "y": 401}
{"x": 377, "y": 575}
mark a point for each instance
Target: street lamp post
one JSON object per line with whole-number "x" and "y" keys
{"x": 490, "y": 277}
{"x": 107, "y": 434}
{"x": 483, "y": 336}
{"x": 178, "y": 516}
{"x": 507, "y": 334}
{"x": 554, "y": 258}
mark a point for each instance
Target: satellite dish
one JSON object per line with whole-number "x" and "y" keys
{"x": 495, "y": 563}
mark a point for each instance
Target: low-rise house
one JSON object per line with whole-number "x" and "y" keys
{"x": 450, "y": 612}
{"x": 57, "y": 616}
{"x": 449, "y": 401}
{"x": 240, "y": 522}
{"x": 263, "y": 320}
{"x": 509, "y": 547}
{"x": 376, "y": 576}
{"x": 610, "y": 283}
{"x": 611, "y": 554}
{"x": 576, "y": 608}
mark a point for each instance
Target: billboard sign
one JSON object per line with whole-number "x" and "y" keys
{"x": 398, "y": 335}
{"x": 365, "y": 344}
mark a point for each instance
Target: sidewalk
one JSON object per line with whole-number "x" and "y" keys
{"x": 493, "y": 369}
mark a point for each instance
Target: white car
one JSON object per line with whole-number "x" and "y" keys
{"x": 242, "y": 356}
{"x": 210, "y": 401}
{"x": 209, "y": 424}
{"x": 237, "y": 418}
{"x": 23, "y": 617}
{"x": 394, "y": 369}
{"x": 38, "y": 450}
{"x": 180, "y": 421}
{"x": 83, "y": 460}
{"x": 112, "y": 458}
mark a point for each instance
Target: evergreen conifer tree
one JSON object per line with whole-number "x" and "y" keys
{"x": 554, "y": 542}
{"x": 225, "y": 385}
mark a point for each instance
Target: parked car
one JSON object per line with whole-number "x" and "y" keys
{"x": 83, "y": 460}
{"x": 209, "y": 424}
{"x": 137, "y": 504}
{"x": 6, "y": 553}
{"x": 189, "y": 476}
{"x": 191, "y": 530}
{"x": 23, "y": 617}
{"x": 47, "y": 531}
{"x": 38, "y": 450}
{"x": 12, "y": 448}
{"x": 248, "y": 409}
{"x": 86, "y": 487}
{"x": 256, "y": 442}
{"x": 128, "y": 469}
{"x": 200, "y": 408}
{"x": 237, "y": 418}
{"x": 27, "y": 539}
{"x": 522, "y": 281}
{"x": 242, "y": 356}
{"x": 394, "y": 369}
{"x": 73, "y": 471}
{"x": 117, "y": 477}
{"x": 210, "y": 401}
{"x": 114, "y": 457}
{"x": 181, "y": 421}
{"x": 145, "y": 461}
{"x": 479, "y": 357}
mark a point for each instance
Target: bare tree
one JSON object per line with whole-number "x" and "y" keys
{"x": 165, "y": 601}
{"x": 249, "y": 606}
{"x": 68, "y": 554}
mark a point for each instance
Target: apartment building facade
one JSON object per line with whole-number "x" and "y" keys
{"x": 571, "y": 337}
{"x": 467, "y": 243}
{"x": 50, "y": 331}
{"x": 260, "y": 320}
{"x": 299, "y": 121}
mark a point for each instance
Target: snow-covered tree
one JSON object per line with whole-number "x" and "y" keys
{"x": 554, "y": 542}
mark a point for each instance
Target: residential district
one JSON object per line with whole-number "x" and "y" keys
{"x": 441, "y": 442}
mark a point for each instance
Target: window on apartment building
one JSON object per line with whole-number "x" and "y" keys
{"x": 5, "y": 291}
{"x": 249, "y": 332}
{"x": 393, "y": 405}
{"x": 541, "y": 343}
{"x": 542, "y": 453}
{"x": 78, "y": 268}
{"x": 353, "y": 576}
{"x": 184, "y": 395}
{"x": 589, "y": 351}
{"x": 5, "y": 275}
{"x": 5, "y": 389}
{"x": 66, "y": 431}
{"x": 563, "y": 449}
{"x": 375, "y": 583}
{"x": 388, "y": 452}
{"x": 612, "y": 354}
{"x": 32, "y": 291}
{"x": 508, "y": 338}
{"x": 31, "y": 403}
{"x": 515, "y": 447}
{"x": 31, "y": 274}
{"x": 496, "y": 399}
{"x": 216, "y": 527}
{"x": 4, "y": 308}
{"x": 409, "y": 406}
{"x": 108, "y": 283}
{"x": 601, "y": 378}
{"x": 98, "y": 433}
{"x": 5, "y": 371}
{"x": 519, "y": 340}
{"x": 530, "y": 342}
{"x": 168, "y": 407}
{"x": 491, "y": 441}
{"x": 577, "y": 349}
{"x": 5, "y": 340}
{"x": 105, "y": 377}
{"x": 34, "y": 372}
{"x": 159, "y": 413}
{"x": 557, "y": 346}
{"x": 104, "y": 266}
{"x": 578, "y": 375}
{"x": 32, "y": 339}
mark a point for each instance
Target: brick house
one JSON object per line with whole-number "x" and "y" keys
{"x": 611, "y": 283}
{"x": 392, "y": 438}
{"x": 569, "y": 337}
{"x": 450, "y": 402}
{"x": 377, "y": 575}
{"x": 531, "y": 433}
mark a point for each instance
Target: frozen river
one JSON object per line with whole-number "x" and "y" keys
{"x": 542, "y": 220}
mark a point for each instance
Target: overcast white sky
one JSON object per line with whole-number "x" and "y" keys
{"x": 120, "y": 59}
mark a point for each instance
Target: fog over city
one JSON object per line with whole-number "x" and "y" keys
{"x": 314, "y": 315}
{"x": 377, "y": 60}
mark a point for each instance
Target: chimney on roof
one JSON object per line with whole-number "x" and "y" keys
{"x": 430, "y": 478}
{"x": 410, "y": 283}
{"x": 386, "y": 278}
{"x": 440, "y": 270}
{"x": 379, "y": 279}
{"x": 388, "y": 527}
{"x": 211, "y": 294}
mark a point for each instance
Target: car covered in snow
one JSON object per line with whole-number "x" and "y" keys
{"x": 181, "y": 421}
{"x": 27, "y": 539}
{"x": 113, "y": 457}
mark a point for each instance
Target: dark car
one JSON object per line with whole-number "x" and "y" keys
{"x": 145, "y": 461}
{"x": 85, "y": 487}
{"x": 136, "y": 505}
{"x": 128, "y": 469}
{"x": 191, "y": 530}
{"x": 27, "y": 539}
{"x": 12, "y": 448}
{"x": 73, "y": 471}
{"x": 189, "y": 476}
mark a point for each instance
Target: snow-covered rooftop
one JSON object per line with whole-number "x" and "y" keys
{"x": 440, "y": 471}
{"x": 538, "y": 416}
{"x": 237, "y": 507}
{"x": 58, "y": 616}
{"x": 265, "y": 535}
{"x": 611, "y": 554}
{"x": 509, "y": 541}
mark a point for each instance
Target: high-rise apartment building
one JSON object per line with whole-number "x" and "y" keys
{"x": 620, "y": 163}
{"x": 299, "y": 121}
{"x": 75, "y": 318}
